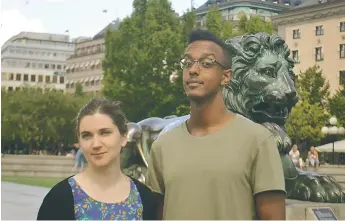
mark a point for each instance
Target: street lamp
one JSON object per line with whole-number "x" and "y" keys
{"x": 333, "y": 131}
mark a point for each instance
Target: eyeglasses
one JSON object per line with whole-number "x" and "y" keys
{"x": 205, "y": 63}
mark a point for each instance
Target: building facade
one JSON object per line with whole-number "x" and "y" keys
{"x": 85, "y": 65}
{"x": 315, "y": 35}
{"x": 233, "y": 9}
{"x": 35, "y": 60}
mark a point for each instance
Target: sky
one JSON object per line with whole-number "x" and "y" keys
{"x": 80, "y": 17}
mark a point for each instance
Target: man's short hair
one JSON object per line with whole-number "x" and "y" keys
{"x": 204, "y": 35}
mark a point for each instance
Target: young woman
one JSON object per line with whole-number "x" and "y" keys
{"x": 101, "y": 191}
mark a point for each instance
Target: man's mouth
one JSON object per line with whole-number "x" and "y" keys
{"x": 194, "y": 81}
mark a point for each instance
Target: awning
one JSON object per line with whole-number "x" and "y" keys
{"x": 339, "y": 147}
{"x": 92, "y": 62}
{"x": 97, "y": 62}
{"x": 76, "y": 65}
{"x": 87, "y": 64}
{"x": 71, "y": 66}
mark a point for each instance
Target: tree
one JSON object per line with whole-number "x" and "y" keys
{"x": 36, "y": 119}
{"x": 255, "y": 25}
{"x": 313, "y": 85}
{"x": 226, "y": 30}
{"x": 188, "y": 24}
{"x": 79, "y": 89}
{"x": 336, "y": 106}
{"x": 214, "y": 21}
{"x": 148, "y": 46}
{"x": 305, "y": 122}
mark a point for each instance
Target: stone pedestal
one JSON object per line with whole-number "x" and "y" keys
{"x": 301, "y": 210}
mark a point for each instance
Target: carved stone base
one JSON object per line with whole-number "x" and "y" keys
{"x": 301, "y": 210}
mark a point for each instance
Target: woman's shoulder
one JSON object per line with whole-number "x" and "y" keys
{"x": 60, "y": 190}
{"x": 58, "y": 203}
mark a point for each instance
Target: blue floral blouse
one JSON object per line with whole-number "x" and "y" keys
{"x": 86, "y": 208}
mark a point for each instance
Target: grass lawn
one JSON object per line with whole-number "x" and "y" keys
{"x": 33, "y": 181}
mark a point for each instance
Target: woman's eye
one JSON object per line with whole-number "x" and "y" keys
{"x": 85, "y": 136}
{"x": 105, "y": 132}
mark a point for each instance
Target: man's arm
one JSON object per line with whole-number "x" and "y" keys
{"x": 154, "y": 177}
{"x": 268, "y": 181}
{"x": 270, "y": 205}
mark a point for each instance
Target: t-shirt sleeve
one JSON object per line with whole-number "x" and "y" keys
{"x": 154, "y": 176}
{"x": 267, "y": 172}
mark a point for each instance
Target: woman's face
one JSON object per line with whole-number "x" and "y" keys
{"x": 100, "y": 139}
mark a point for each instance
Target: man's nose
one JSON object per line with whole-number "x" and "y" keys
{"x": 194, "y": 69}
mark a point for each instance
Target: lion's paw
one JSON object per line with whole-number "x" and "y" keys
{"x": 309, "y": 186}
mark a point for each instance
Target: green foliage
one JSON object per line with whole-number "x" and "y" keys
{"x": 214, "y": 21}
{"x": 242, "y": 25}
{"x": 34, "y": 117}
{"x": 79, "y": 89}
{"x": 255, "y": 25}
{"x": 188, "y": 24}
{"x": 312, "y": 86}
{"x": 336, "y": 106}
{"x": 305, "y": 122}
{"x": 140, "y": 56}
{"x": 226, "y": 30}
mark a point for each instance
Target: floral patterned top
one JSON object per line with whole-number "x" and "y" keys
{"x": 86, "y": 208}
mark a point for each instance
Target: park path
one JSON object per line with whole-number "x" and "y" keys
{"x": 21, "y": 202}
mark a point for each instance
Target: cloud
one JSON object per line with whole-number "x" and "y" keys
{"x": 13, "y": 22}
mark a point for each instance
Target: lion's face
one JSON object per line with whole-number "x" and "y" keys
{"x": 262, "y": 87}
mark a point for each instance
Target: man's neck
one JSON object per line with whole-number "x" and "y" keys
{"x": 209, "y": 114}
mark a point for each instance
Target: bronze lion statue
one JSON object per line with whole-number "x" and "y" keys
{"x": 262, "y": 89}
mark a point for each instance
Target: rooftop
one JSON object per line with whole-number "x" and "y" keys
{"x": 113, "y": 26}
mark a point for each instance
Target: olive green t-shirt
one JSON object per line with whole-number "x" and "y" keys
{"x": 214, "y": 176}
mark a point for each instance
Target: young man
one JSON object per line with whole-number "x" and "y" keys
{"x": 216, "y": 165}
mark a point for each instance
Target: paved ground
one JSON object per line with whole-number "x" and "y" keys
{"x": 20, "y": 202}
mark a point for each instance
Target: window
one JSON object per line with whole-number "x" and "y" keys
{"x": 319, "y": 30}
{"x": 40, "y": 78}
{"x": 295, "y": 56}
{"x": 318, "y": 54}
{"x": 296, "y": 34}
{"x": 46, "y": 66}
{"x": 53, "y": 66}
{"x": 342, "y": 51}
{"x": 59, "y": 66}
{"x": 47, "y": 79}
{"x": 11, "y": 78}
{"x": 55, "y": 79}
{"x": 26, "y": 77}
{"x": 342, "y": 26}
{"x": 33, "y": 65}
{"x": 33, "y": 78}
{"x": 10, "y": 88}
{"x": 18, "y": 77}
{"x": 342, "y": 77}
{"x": 62, "y": 80}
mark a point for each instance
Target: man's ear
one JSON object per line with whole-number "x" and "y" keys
{"x": 227, "y": 75}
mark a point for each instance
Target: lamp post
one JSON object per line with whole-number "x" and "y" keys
{"x": 333, "y": 131}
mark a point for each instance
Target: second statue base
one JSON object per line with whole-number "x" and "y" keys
{"x": 302, "y": 210}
